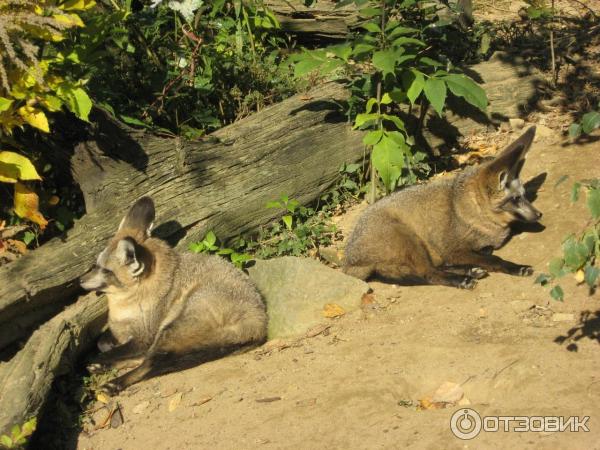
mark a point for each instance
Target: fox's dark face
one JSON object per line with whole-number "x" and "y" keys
{"x": 508, "y": 195}
{"x": 124, "y": 261}
{"x": 516, "y": 203}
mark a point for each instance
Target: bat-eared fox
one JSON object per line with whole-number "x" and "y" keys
{"x": 444, "y": 232}
{"x": 164, "y": 306}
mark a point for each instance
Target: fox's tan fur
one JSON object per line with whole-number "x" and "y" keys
{"x": 443, "y": 232}
{"x": 172, "y": 305}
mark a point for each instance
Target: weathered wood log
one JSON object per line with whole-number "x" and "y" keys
{"x": 51, "y": 350}
{"x": 221, "y": 182}
{"x": 322, "y": 21}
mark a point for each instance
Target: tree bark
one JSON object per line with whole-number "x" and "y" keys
{"x": 51, "y": 350}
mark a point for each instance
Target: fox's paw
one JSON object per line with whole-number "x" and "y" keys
{"x": 477, "y": 273}
{"x": 467, "y": 283}
{"x": 111, "y": 388}
{"x": 524, "y": 271}
{"x": 94, "y": 368}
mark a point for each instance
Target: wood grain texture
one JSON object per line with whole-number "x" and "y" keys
{"x": 26, "y": 380}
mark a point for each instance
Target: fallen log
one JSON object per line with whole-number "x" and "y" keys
{"x": 221, "y": 182}
{"x": 26, "y": 380}
{"x": 323, "y": 21}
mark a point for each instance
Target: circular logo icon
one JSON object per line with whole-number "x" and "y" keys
{"x": 465, "y": 423}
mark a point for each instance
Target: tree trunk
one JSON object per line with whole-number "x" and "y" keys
{"x": 51, "y": 350}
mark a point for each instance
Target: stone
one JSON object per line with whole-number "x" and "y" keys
{"x": 297, "y": 289}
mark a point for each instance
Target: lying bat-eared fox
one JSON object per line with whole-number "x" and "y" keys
{"x": 444, "y": 232}
{"x": 164, "y": 306}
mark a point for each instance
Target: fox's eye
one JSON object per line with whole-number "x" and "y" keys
{"x": 105, "y": 271}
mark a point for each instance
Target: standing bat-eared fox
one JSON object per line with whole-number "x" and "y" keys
{"x": 444, "y": 232}
{"x": 164, "y": 306}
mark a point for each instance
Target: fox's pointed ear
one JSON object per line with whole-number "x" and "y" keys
{"x": 508, "y": 164}
{"x": 126, "y": 253}
{"x": 140, "y": 217}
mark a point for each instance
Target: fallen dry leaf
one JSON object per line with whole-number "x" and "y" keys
{"x": 331, "y": 310}
{"x": 267, "y": 399}
{"x": 26, "y": 203}
{"x": 448, "y": 392}
{"x": 102, "y": 397}
{"x": 175, "y": 401}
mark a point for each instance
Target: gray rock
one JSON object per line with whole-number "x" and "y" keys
{"x": 296, "y": 290}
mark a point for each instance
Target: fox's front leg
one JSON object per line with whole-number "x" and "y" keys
{"x": 116, "y": 357}
{"x": 492, "y": 263}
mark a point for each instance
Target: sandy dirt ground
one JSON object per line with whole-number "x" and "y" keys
{"x": 357, "y": 385}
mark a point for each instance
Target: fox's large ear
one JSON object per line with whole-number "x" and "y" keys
{"x": 140, "y": 217}
{"x": 508, "y": 164}
{"x": 126, "y": 253}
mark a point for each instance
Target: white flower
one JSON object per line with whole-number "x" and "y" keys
{"x": 186, "y": 8}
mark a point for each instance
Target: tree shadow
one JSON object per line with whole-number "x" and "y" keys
{"x": 587, "y": 328}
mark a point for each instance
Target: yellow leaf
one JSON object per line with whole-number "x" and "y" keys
{"x": 27, "y": 205}
{"x": 53, "y": 201}
{"x": 71, "y": 20}
{"x": 102, "y": 397}
{"x": 34, "y": 117}
{"x": 77, "y": 5}
{"x": 5, "y": 103}
{"x": 332, "y": 310}
{"x": 12, "y": 164}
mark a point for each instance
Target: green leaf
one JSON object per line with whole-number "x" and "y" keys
{"x": 342, "y": 51}
{"x": 557, "y": 293}
{"x": 395, "y": 120}
{"x": 29, "y": 427}
{"x": 575, "y": 254}
{"x": 5, "y": 103}
{"x": 403, "y": 40}
{"x": 370, "y": 103}
{"x": 372, "y": 138}
{"x": 361, "y": 49}
{"x": 386, "y": 99}
{"x": 435, "y": 91}
{"x": 398, "y": 31}
{"x": 430, "y": 62}
{"x": 593, "y": 202}
{"x": 591, "y": 275}
{"x": 134, "y": 121}
{"x": 76, "y": 99}
{"x": 404, "y": 58}
{"x": 273, "y": 204}
{"x": 388, "y": 159}
{"x": 28, "y": 237}
{"x": 372, "y": 27}
{"x": 308, "y": 61}
{"x": 416, "y": 86}
{"x": 590, "y": 121}
{"x": 575, "y": 192}
{"x": 542, "y": 279}
{"x": 385, "y": 60}
{"x": 288, "y": 221}
{"x": 210, "y": 239}
{"x": 15, "y": 167}
{"x": 6, "y": 441}
{"x": 370, "y": 12}
{"x": 365, "y": 119}
{"x": 575, "y": 130}
{"x": 463, "y": 86}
